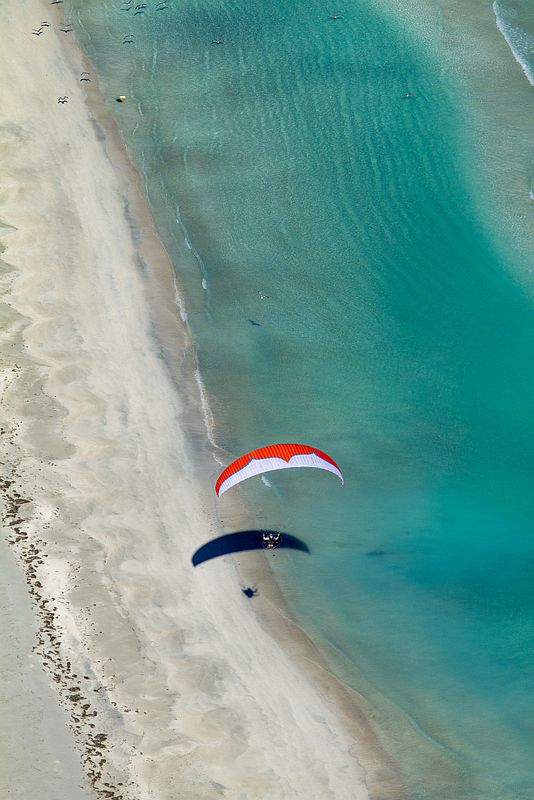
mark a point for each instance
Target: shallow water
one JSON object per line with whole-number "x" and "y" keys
{"x": 297, "y": 187}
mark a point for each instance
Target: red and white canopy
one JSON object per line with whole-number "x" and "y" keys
{"x": 274, "y": 456}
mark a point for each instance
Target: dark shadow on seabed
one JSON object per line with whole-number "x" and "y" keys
{"x": 240, "y": 541}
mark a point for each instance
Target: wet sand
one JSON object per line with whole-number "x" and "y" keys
{"x": 171, "y": 680}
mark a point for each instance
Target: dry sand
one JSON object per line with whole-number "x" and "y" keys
{"x": 172, "y": 681}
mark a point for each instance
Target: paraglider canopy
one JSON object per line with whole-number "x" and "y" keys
{"x": 274, "y": 456}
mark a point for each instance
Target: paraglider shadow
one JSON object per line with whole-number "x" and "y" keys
{"x": 241, "y": 541}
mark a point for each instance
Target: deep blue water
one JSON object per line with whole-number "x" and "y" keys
{"x": 321, "y": 203}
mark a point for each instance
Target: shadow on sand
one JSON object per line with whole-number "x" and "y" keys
{"x": 240, "y": 541}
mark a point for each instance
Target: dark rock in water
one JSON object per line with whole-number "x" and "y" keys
{"x": 255, "y": 323}
{"x": 377, "y": 553}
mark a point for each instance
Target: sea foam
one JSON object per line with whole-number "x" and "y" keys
{"x": 518, "y": 40}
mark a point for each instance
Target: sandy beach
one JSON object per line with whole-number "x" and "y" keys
{"x": 171, "y": 682}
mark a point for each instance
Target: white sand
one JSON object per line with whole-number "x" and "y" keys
{"x": 172, "y": 665}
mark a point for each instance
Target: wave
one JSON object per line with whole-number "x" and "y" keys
{"x": 208, "y": 417}
{"x": 181, "y": 307}
{"x": 518, "y": 40}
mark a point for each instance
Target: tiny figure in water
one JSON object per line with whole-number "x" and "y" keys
{"x": 407, "y": 95}
{"x": 253, "y": 322}
{"x": 250, "y": 591}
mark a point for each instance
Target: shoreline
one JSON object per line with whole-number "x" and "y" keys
{"x": 468, "y": 132}
{"x": 175, "y": 684}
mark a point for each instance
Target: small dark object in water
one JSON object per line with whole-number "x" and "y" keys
{"x": 255, "y": 323}
{"x": 250, "y": 591}
{"x": 377, "y": 553}
{"x": 335, "y": 16}
{"x": 217, "y": 41}
{"x": 407, "y": 95}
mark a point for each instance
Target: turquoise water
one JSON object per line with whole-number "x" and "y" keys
{"x": 319, "y": 202}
